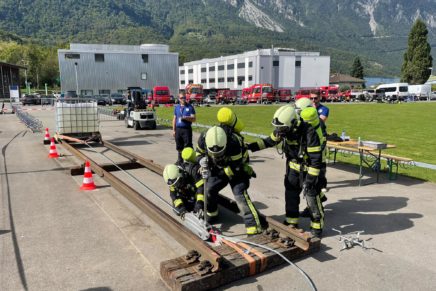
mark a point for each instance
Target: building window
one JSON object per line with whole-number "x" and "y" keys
{"x": 144, "y": 58}
{"x": 143, "y": 76}
{"x": 250, "y": 78}
{"x": 230, "y": 66}
{"x": 182, "y": 72}
{"x": 298, "y": 63}
{"x": 230, "y": 79}
{"x": 182, "y": 82}
{"x": 220, "y": 80}
{"x": 99, "y": 58}
{"x": 104, "y": 91}
{"x": 275, "y": 63}
{"x": 190, "y": 81}
{"x": 240, "y": 80}
{"x": 190, "y": 71}
{"x": 241, "y": 65}
{"x": 212, "y": 69}
{"x": 72, "y": 56}
{"x": 203, "y": 81}
{"x": 212, "y": 80}
{"x": 250, "y": 64}
{"x": 221, "y": 68}
{"x": 203, "y": 70}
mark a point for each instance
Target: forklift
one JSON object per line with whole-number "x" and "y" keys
{"x": 138, "y": 115}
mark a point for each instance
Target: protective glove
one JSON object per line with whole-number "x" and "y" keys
{"x": 249, "y": 170}
{"x": 200, "y": 214}
{"x": 182, "y": 211}
{"x": 199, "y": 205}
{"x": 203, "y": 162}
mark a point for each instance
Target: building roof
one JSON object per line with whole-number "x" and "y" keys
{"x": 338, "y": 78}
{"x": 12, "y": 65}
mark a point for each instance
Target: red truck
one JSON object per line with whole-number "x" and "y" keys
{"x": 261, "y": 93}
{"x": 194, "y": 93}
{"x": 305, "y": 92}
{"x": 246, "y": 94}
{"x": 161, "y": 95}
{"x": 283, "y": 95}
{"x": 330, "y": 93}
{"x": 226, "y": 96}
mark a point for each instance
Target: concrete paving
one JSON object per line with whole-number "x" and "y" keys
{"x": 61, "y": 238}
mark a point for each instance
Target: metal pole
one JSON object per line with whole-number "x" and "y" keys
{"x": 27, "y": 85}
{"x": 77, "y": 81}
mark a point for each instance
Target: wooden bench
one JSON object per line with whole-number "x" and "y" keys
{"x": 393, "y": 162}
{"x": 335, "y": 147}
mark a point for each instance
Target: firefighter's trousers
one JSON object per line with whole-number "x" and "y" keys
{"x": 292, "y": 199}
{"x": 239, "y": 187}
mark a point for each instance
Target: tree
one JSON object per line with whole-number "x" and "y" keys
{"x": 357, "y": 69}
{"x": 417, "y": 59}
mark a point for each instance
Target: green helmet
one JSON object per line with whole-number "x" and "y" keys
{"x": 310, "y": 115}
{"x": 171, "y": 174}
{"x": 303, "y": 103}
{"x": 284, "y": 118}
{"x": 188, "y": 155}
{"x": 216, "y": 141}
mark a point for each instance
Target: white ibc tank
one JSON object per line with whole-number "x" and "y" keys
{"x": 76, "y": 118}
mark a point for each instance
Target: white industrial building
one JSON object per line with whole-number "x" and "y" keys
{"x": 93, "y": 69}
{"x": 281, "y": 67}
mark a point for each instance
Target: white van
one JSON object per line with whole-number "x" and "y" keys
{"x": 395, "y": 91}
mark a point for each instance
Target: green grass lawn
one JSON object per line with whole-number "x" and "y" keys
{"x": 409, "y": 126}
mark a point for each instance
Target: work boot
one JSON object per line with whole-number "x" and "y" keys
{"x": 294, "y": 225}
{"x": 316, "y": 233}
{"x": 305, "y": 212}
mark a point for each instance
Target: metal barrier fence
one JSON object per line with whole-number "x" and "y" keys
{"x": 30, "y": 121}
{"x": 107, "y": 114}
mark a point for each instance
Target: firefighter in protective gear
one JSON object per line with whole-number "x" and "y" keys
{"x": 301, "y": 143}
{"x": 302, "y": 106}
{"x": 185, "y": 183}
{"x": 227, "y": 161}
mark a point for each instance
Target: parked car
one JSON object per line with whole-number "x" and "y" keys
{"x": 29, "y": 99}
{"x": 101, "y": 99}
{"x": 117, "y": 98}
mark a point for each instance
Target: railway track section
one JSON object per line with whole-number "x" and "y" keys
{"x": 206, "y": 265}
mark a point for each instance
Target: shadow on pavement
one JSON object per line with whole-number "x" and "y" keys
{"x": 365, "y": 213}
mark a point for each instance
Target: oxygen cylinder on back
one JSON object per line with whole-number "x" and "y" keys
{"x": 226, "y": 116}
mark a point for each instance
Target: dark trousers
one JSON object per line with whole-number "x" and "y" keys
{"x": 293, "y": 182}
{"x": 183, "y": 140}
{"x": 239, "y": 187}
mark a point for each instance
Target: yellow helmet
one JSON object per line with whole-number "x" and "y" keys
{"x": 284, "y": 117}
{"x": 216, "y": 141}
{"x": 303, "y": 103}
{"x": 226, "y": 116}
{"x": 310, "y": 115}
{"x": 171, "y": 174}
{"x": 188, "y": 154}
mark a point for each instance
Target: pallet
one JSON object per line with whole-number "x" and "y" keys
{"x": 185, "y": 273}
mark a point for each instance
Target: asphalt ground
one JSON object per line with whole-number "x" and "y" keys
{"x": 55, "y": 237}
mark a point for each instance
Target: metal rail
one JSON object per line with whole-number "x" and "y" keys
{"x": 164, "y": 220}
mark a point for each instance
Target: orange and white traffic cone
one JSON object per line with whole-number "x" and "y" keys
{"x": 53, "y": 154}
{"x": 46, "y": 137}
{"x": 88, "y": 182}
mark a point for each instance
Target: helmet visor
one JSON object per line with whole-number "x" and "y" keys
{"x": 216, "y": 151}
{"x": 174, "y": 182}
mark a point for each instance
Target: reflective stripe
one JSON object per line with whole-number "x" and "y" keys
{"x": 315, "y": 225}
{"x": 200, "y": 197}
{"x": 294, "y": 166}
{"x": 178, "y": 202}
{"x": 313, "y": 149}
{"x": 252, "y": 230}
{"x": 236, "y": 157}
{"x": 291, "y": 142}
{"x": 200, "y": 149}
{"x": 292, "y": 220}
{"x": 199, "y": 183}
{"x": 228, "y": 171}
{"x": 172, "y": 188}
{"x": 273, "y": 137}
{"x": 245, "y": 158}
{"x": 253, "y": 211}
{"x": 261, "y": 144}
{"x": 321, "y": 211}
{"x": 212, "y": 214}
{"x": 313, "y": 171}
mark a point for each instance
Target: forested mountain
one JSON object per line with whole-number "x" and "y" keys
{"x": 374, "y": 30}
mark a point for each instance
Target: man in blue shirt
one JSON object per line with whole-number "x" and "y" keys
{"x": 323, "y": 111}
{"x": 184, "y": 116}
